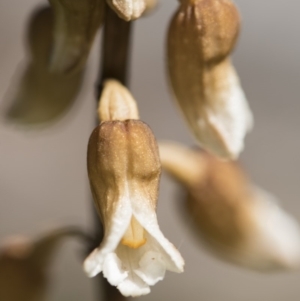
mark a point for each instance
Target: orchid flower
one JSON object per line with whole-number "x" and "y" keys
{"x": 207, "y": 89}
{"x": 124, "y": 171}
{"x": 233, "y": 218}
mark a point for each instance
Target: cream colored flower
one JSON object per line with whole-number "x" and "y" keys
{"x": 238, "y": 221}
{"x": 124, "y": 172}
{"x": 201, "y": 36}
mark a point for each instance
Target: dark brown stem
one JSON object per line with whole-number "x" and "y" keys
{"x": 115, "y": 49}
{"x": 115, "y": 64}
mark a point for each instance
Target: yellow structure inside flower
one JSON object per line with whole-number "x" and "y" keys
{"x": 134, "y": 236}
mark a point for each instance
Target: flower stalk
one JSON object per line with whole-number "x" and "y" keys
{"x": 114, "y": 64}
{"x": 115, "y": 49}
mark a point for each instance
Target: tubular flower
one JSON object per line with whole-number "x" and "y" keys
{"x": 201, "y": 36}
{"x": 237, "y": 221}
{"x": 124, "y": 171}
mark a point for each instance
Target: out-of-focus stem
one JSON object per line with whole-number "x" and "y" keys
{"x": 114, "y": 64}
{"x": 115, "y": 49}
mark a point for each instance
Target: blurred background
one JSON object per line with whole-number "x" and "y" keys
{"x": 43, "y": 177}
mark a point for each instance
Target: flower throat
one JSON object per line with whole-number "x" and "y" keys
{"x": 134, "y": 236}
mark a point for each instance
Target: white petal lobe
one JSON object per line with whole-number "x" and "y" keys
{"x": 231, "y": 116}
{"x": 152, "y": 268}
{"x": 133, "y": 288}
{"x": 112, "y": 269}
{"x": 91, "y": 265}
{"x": 172, "y": 258}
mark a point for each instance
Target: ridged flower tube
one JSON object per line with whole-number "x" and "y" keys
{"x": 232, "y": 217}
{"x": 206, "y": 87}
{"x": 124, "y": 172}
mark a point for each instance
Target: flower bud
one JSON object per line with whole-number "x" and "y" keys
{"x": 124, "y": 172}
{"x": 128, "y": 9}
{"x": 116, "y": 102}
{"x": 42, "y": 96}
{"x": 75, "y": 27}
{"x": 236, "y": 220}
{"x": 24, "y": 265}
{"x": 201, "y": 36}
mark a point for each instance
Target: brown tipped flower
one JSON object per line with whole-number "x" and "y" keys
{"x": 124, "y": 171}
{"x": 201, "y": 36}
{"x": 238, "y": 221}
{"x": 128, "y": 9}
{"x": 75, "y": 27}
{"x": 24, "y": 265}
{"x": 42, "y": 96}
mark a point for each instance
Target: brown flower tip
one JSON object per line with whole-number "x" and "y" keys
{"x": 116, "y": 103}
{"x": 209, "y": 27}
{"x": 128, "y": 9}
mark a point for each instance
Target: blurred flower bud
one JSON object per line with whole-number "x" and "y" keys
{"x": 236, "y": 220}
{"x": 75, "y": 25}
{"x": 201, "y": 36}
{"x": 124, "y": 173}
{"x": 41, "y": 95}
{"x": 128, "y": 9}
{"x": 24, "y": 265}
